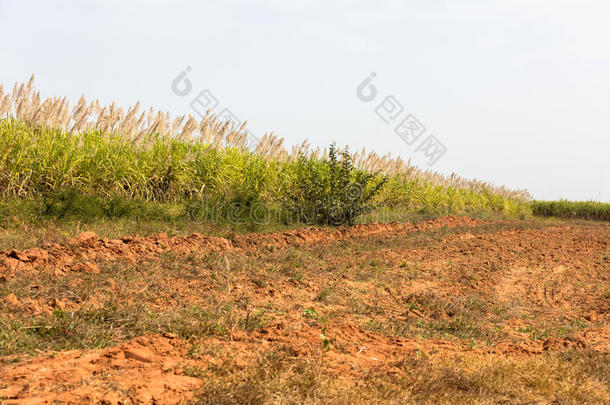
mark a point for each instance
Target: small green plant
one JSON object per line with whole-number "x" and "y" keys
{"x": 326, "y": 345}
{"x": 311, "y": 313}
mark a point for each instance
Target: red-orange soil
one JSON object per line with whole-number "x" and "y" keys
{"x": 537, "y": 279}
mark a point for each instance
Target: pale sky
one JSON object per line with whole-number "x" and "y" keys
{"x": 517, "y": 91}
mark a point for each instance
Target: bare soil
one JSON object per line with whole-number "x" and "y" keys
{"x": 452, "y": 310}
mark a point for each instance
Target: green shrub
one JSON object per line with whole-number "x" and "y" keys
{"x": 330, "y": 192}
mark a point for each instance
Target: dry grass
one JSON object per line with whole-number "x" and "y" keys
{"x": 279, "y": 377}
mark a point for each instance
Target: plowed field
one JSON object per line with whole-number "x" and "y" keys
{"x": 452, "y": 310}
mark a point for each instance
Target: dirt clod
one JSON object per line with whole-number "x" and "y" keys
{"x": 84, "y": 239}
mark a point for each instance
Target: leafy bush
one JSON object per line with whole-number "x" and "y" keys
{"x": 330, "y": 192}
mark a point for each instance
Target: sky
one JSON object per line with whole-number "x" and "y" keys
{"x": 513, "y": 92}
